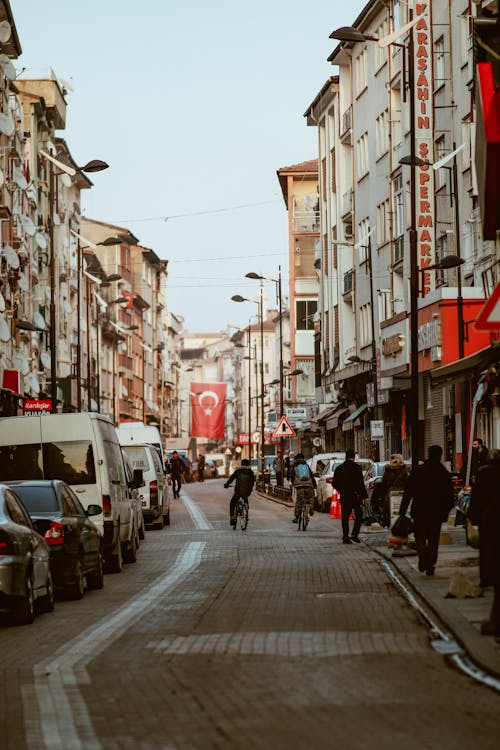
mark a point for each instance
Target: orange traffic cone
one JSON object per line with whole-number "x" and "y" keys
{"x": 335, "y": 510}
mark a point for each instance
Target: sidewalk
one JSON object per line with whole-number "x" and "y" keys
{"x": 462, "y": 617}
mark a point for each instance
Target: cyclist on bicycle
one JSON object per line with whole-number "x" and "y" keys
{"x": 303, "y": 481}
{"x": 245, "y": 479}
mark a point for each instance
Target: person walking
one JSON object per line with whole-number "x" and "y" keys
{"x": 177, "y": 472}
{"x": 395, "y": 477}
{"x": 484, "y": 510}
{"x": 201, "y": 468}
{"x": 244, "y": 479}
{"x": 430, "y": 491}
{"x": 301, "y": 477}
{"x": 348, "y": 481}
{"x": 279, "y": 466}
{"x": 479, "y": 457}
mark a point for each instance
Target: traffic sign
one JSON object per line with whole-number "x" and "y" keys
{"x": 489, "y": 315}
{"x": 284, "y": 429}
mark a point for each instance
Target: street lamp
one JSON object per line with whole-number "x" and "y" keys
{"x": 239, "y": 298}
{"x": 92, "y": 166}
{"x": 350, "y": 34}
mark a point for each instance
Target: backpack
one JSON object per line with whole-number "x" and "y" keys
{"x": 302, "y": 475}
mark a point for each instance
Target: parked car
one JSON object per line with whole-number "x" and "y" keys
{"x": 75, "y": 542}
{"x": 82, "y": 449}
{"x": 269, "y": 467}
{"x": 154, "y": 490}
{"x": 376, "y": 476}
{"x": 325, "y": 490}
{"x": 132, "y": 433}
{"x": 318, "y": 462}
{"x": 25, "y": 577}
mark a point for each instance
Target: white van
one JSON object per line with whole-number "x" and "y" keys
{"x": 154, "y": 492}
{"x": 131, "y": 433}
{"x": 83, "y": 450}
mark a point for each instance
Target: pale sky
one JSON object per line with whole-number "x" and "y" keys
{"x": 194, "y": 105}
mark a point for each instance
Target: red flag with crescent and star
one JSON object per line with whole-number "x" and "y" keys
{"x": 208, "y": 402}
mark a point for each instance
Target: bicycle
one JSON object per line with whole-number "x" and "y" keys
{"x": 242, "y": 513}
{"x": 305, "y": 504}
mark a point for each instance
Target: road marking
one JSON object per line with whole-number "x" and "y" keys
{"x": 199, "y": 518}
{"x": 314, "y": 644}
{"x": 62, "y": 721}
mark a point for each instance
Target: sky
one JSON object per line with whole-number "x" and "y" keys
{"x": 195, "y": 105}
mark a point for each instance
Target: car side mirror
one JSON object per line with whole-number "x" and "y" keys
{"x": 93, "y": 510}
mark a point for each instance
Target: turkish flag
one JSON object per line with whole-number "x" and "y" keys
{"x": 208, "y": 408}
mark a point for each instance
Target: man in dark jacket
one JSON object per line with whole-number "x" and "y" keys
{"x": 201, "y": 468}
{"x": 348, "y": 481}
{"x": 479, "y": 457}
{"x": 245, "y": 479}
{"x": 430, "y": 491}
{"x": 177, "y": 469}
{"x": 483, "y": 511}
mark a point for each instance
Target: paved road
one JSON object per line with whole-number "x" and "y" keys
{"x": 270, "y": 638}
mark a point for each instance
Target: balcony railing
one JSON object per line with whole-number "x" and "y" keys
{"x": 347, "y": 203}
{"x": 348, "y": 282}
{"x": 398, "y": 249}
{"x": 346, "y": 124}
{"x": 306, "y": 213}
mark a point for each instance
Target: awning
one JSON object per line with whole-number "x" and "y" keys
{"x": 352, "y": 418}
{"x": 326, "y": 413}
{"x": 465, "y": 368}
{"x": 333, "y": 422}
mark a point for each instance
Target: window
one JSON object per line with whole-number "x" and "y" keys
{"x": 466, "y": 38}
{"x": 16, "y": 510}
{"x": 381, "y": 52}
{"x": 21, "y": 461}
{"x": 466, "y": 139}
{"x": 382, "y": 133}
{"x": 363, "y": 239}
{"x": 398, "y": 207}
{"x": 362, "y": 155}
{"x": 360, "y": 72}
{"x": 365, "y": 325}
{"x": 439, "y": 174}
{"x": 396, "y": 131}
{"x": 383, "y": 222}
{"x": 71, "y": 461}
{"x": 439, "y": 63}
{"x": 305, "y": 310}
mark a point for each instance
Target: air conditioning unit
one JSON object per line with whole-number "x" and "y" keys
{"x": 348, "y": 231}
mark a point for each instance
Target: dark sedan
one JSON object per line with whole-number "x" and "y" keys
{"x": 25, "y": 577}
{"x": 74, "y": 541}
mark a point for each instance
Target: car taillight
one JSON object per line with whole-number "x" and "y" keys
{"x": 54, "y": 534}
{"x": 153, "y": 492}
{"x": 5, "y": 543}
{"x": 106, "y": 505}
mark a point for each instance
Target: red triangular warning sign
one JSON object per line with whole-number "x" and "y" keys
{"x": 489, "y": 315}
{"x": 284, "y": 429}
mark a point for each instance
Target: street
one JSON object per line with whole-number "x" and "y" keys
{"x": 269, "y": 638}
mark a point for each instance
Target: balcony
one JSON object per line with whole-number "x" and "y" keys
{"x": 346, "y": 205}
{"x": 346, "y": 126}
{"x": 399, "y": 250}
{"x": 306, "y": 214}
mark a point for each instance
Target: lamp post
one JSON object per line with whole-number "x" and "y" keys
{"x": 92, "y": 166}
{"x": 239, "y": 298}
{"x": 350, "y": 34}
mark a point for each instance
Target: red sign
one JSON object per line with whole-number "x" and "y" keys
{"x": 489, "y": 315}
{"x": 37, "y": 405}
{"x": 208, "y": 408}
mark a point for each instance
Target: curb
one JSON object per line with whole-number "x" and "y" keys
{"x": 478, "y": 647}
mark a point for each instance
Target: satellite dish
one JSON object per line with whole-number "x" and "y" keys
{"x": 21, "y": 363}
{"x": 2, "y": 303}
{"x": 10, "y": 256}
{"x": 28, "y": 225}
{"x": 20, "y": 179}
{"x": 35, "y": 385}
{"x": 39, "y": 321}
{"x": 66, "y": 180}
{"x": 41, "y": 240}
{"x": 4, "y": 329}
{"x": 7, "y": 67}
{"x": 5, "y": 31}
{"x": 6, "y": 124}
{"x": 45, "y": 359}
{"x": 23, "y": 283}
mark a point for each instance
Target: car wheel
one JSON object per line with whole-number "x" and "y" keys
{"x": 76, "y": 590}
{"x": 48, "y": 601}
{"x": 114, "y": 563}
{"x": 24, "y": 607}
{"x": 95, "y": 580}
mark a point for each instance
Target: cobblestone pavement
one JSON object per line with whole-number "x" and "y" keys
{"x": 269, "y": 638}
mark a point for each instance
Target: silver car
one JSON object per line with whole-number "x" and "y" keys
{"x": 25, "y": 579}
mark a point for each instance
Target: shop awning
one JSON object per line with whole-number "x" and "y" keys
{"x": 464, "y": 368}
{"x": 333, "y": 421}
{"x": 326, "y": 413}
{"x": 352, "y": 418}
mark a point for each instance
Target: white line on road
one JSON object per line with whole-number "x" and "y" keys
{"x": 199, "y": 518}
{"x": 62, "y": 721}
